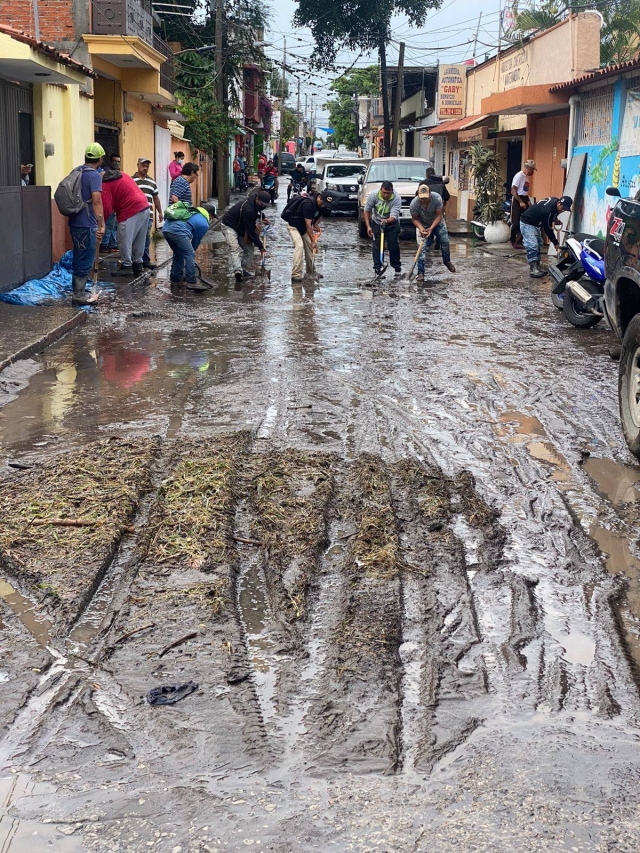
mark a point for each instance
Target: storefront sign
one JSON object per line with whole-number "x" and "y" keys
{"x": 514, "y": 69}
{"x": 630, "y": 136}
{"x": 451, "y": 86}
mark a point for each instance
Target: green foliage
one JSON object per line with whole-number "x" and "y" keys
{"x": 488, "y": 182}
{"x": 358, "y": 25}
{"x": 289, "y": 124}
{"x": 208, "y": 124}
{"x": 277, "y": 90}
{"x": 532, "y": 16}
{"x": 363, "y": 81}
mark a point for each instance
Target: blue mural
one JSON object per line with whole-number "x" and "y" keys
{"x": 614, "y": 163}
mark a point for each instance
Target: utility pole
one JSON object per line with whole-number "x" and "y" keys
{"x": 385, "y": 97}
{"x": 305, "y": 124}
{"x": 298, "y": 134}
{"x": 398, "y": 103}
{"x": 222, "y": 154}
{"x": 475, "y": 38}
{"x": 356, "y": 111}
{"x": 284, "y": 80}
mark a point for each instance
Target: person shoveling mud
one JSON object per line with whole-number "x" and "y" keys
{"x": 426, "y": 211}
{"x": 382, "y": 218}
{"x": 184, "y": 229}
{"x": 300, "y": 214}
{"x": 241, "y": 234}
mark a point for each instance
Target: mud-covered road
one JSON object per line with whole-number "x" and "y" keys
{"x": 391, "y": 534}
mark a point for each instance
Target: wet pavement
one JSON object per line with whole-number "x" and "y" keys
{"x": 391, "y": 533}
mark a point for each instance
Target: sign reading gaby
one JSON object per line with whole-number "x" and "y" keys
{"x": 451, "y": 85}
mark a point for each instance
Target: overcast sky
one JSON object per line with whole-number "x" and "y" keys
{"x": 446, "y": 37}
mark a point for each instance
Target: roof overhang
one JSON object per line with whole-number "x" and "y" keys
{"x": 524, "y": 99}
{"x": 124, "y": 51}
{"x": 456, "y": 124}
{"x": 21, "y": 63}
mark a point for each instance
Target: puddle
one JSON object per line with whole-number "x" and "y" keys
{"x": 619, "y": 483}
{"x": 525, "y": 424}
{"x": 27, "y": 836}
{"x": 38, "y": 626}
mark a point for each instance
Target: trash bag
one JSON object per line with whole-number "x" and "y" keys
{"x": 170, "y": 694}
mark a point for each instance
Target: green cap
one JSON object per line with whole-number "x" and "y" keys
{"x": 94, "y": 151}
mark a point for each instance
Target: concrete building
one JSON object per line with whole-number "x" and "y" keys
{"x": 510, "y": 105}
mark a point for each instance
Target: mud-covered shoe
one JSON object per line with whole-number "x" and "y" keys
{"x": 123, "y": 271}
{"x": 397, "y": 273}
{"x": 420, "y": 278}
{"x": 248, "y": 274}
{"x": 535, "y": 271}
{"x": 449, "y": 266}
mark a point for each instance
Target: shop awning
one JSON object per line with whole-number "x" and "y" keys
{"x": 524, "y": 99}
{"x": 456, "y": 124}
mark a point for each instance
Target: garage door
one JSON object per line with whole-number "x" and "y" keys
{"x": 161, "y": 165}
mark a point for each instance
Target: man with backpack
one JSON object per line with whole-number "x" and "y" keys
{"x": 239, "y": 229}
{"x": 300, "y": 214}
{"x": 79, "y": 196}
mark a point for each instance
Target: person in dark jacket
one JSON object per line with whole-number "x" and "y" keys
{"x": 301, "y": 214}
{"x": 239, "y": 229}
{"x": 544, "y": 215}
{"x": 184, "y": 237}
{"x": 436, "y": 184}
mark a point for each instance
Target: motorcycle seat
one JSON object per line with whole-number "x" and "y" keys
{"x": 596, "y": 245}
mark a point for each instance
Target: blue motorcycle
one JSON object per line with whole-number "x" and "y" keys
{"x": 579, "y": 278}
{"x": 268, "y": 183}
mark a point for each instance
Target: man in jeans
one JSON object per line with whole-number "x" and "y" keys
{"x": 544, "y": 215}
{"x": 121, "y": 195}
{"x": 87, "y": 226}
{"x": 520, "y": 200}
{"x": 184, "y": 237}
{"x": 241, "y": 234}
{"x": 426, "y": 211}
{"x": 150, "y": 189}
{"x": 382, "y": 212}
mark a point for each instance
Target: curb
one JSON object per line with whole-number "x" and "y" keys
{"x": 46, "y": 340}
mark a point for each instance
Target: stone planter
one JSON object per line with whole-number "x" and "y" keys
{"x": 497, "y": 232}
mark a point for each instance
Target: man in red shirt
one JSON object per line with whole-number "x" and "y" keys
{"x": 121, "y": 194}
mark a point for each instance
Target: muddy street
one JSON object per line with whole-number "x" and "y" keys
{"x": 390, "y": 533}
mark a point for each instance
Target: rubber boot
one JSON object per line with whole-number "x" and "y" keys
{"x": 535, "y": 271}
{"x": 138, "y": 269}
{"x": 79, "y": 291}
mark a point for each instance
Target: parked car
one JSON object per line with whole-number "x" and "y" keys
{"x": 343, "y": 154}
{"x": 622, "y": 307}
{"x": 341, "y": 178}
{"x": 288, "y": 162}
{"x": 404, "y": 172}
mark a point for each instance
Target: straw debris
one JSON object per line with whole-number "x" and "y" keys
{"x": 477, "y": 512}
{"x": 290, "y": 493}
{"x": 98, "y": 488}
{"x": 375, "y": 551}
{"x": 191, "y": 524}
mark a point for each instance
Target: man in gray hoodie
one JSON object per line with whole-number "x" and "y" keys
{"x": 382, "y": 213}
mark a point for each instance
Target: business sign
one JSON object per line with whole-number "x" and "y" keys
{"x": 451, "y": 88}
{"x": 514, "y": 70}
{"x": 630, "y": 136}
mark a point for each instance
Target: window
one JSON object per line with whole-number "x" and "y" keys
{"x": 345, "y": 171}
{"x": 391, "y": 171}
{"x": 595, "y": 114}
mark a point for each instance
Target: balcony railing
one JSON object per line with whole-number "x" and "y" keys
{"x": 167, "y": 69}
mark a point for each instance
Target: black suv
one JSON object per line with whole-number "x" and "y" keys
{"x": 622, "y": 306}
{"x": 288, "y": 162}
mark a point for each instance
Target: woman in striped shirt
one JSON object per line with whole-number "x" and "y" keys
{"x": 180, "y": 189}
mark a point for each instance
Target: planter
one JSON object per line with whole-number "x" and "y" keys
{"x": 497, "y": 232}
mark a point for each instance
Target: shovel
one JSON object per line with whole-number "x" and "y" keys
{"x": 263, "y": 270}
{"x": 415, "y": 261}
{"x": 383, "y": 266}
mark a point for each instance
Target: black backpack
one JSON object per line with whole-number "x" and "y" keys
{"x": 291, "y": 208}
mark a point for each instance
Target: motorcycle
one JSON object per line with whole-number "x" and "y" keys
{"x": 296, "y": 188}
{"x": 241, "y": 180}
{"x": 579, "y": 278}
{"x": 268, "y": 183}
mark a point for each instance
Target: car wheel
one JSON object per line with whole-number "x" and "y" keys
{"x": 575, "y": 313}
{"x": 629, "y": 385}
{"x": 362, "y": 228}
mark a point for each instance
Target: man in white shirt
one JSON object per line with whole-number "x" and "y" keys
{"x": 520, "y": 200}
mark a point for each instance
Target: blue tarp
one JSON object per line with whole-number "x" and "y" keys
{"x": 55, "y": 287}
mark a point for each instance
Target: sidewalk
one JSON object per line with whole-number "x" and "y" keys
{"x": 29, "y": 330}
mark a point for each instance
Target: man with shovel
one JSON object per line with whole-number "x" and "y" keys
{"x": 240, "y": 231}
{"x": 426, "y": 211}
{"x": 382, "y": 219}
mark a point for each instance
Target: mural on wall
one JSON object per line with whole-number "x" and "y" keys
{"x": 616, "y": 164}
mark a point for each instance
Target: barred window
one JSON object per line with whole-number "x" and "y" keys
{"x": 595, "y": 114}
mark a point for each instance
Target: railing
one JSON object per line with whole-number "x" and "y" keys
{"x": 167, "y": 69}
{"x": 122, "y": 18}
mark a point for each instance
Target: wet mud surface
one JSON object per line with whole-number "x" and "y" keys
{"x": 391, "y": 533}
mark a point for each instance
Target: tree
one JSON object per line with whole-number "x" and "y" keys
{"x": 343, "y": 111}
{"x": 361, "y": 25}
{"x": 289, "y": 124}
{"x": 279, "y": 87}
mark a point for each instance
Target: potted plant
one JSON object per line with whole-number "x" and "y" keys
{"x": 485, "y": 164}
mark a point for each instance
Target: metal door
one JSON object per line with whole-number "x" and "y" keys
{"x": 161, "y": 165}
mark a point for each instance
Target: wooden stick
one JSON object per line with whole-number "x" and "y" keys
{"x": 178, "y": 643}
{"x": 246, "y": 541}
{"x": 132, "y": 633}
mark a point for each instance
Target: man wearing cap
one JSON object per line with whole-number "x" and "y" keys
{"x": 184, "y": 237}
{"x": 239, "y": 229}
{"x": 427, "y": 215}
{"x": 87, "y": 226}
{"x": 544, "y": 214}
{"x": 382, "y": 212}
{"x": 300, "y": 214}
{"x": 122, "y": 196}
{"x": 150, "y": 189}
{"x": 520, "y": 199}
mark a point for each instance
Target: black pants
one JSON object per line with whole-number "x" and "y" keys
{"x": 391, "y": 242}
{"x": 516, "y": 211}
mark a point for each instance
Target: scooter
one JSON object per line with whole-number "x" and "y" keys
{"x": 268, "y": 183}
{"x": 579, "y": 277}
{"x": 296, "y": 188}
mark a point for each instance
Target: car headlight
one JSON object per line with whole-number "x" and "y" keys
{"x": 331, "y": 186}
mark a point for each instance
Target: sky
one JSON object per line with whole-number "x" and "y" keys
{"x": 447, "y": 36}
